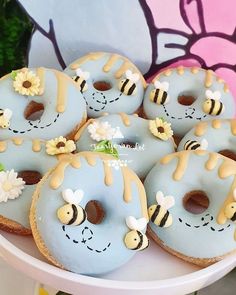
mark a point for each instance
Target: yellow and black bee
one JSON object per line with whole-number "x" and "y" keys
{"x": 128, "y": 86}
{"x": 195, "y": 145}
{"x": 230, "y": 209}
{"x": 135, "y": 239}
{"x": 159, "y": 94}
{"x": 72, "y": 213}
{"x": 212, "y": 105}
{"x": 5, "y": 116}
{"x": 81, "y": 78}
{"x": 159, "y": 213}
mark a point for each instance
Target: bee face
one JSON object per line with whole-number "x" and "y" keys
{"x": 230, "y": 211}
{"x": 71, "y": 214}
{"x": 213, "y": 107}
{"x": 81, "y": 83}
{"x": 127, "y": 87}
{"x": 136, "y": 240}
{"x": 159, "y": 96}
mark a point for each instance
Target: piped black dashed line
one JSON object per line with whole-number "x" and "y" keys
{"x": 180, "y": 220}
{"x": 89, "y": 248}
{"x": 196, "y": 226}
{"x": 63, "y": 227}
{"x": 68, "y": 237}
{"x": 205, "y": 224}
{"x": 76, "y": 242}
{"x": 187, "y": 224}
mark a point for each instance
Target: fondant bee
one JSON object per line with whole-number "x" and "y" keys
{"x": 72, "y": 213}
{"x": 128, "y": 86}
{"x": 81, "y": 78}
{"x": 159, "y": 213}
{"x": 195, "y": 145}
{"x": 135, "y": 239}
{"x": 213, "y": 106}
{"x": 230, "y": 209}
{"x": 159, "y": 95}
{"x": 5, "y": 116}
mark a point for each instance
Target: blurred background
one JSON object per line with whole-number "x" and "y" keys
{"x": 15, "y": 31}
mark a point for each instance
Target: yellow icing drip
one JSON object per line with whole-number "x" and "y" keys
{"x": 125, "y": 119}
{"x": 233, "y": 126}
{"x": 226, "y": 88}
{"x": 208, "y": 78}
{"x": 167, "y": 72}
{"x": 212, "y": 161}
{"x": 200, "y": 128}
{"x": 36, "y": 145}
{"x": 58, "y": 174}
{"x": 61, "y": 91}
{"x": 124, "y": 67}
{"x": 227, "y": 168}
{"x": 17, "y": 140}
{"x": 91, "y": 56}
{"x": 3, "y": 146}
{"x": 112, "y": 60}
{"x": 194, "y": 70}
{"x": 216, "y": 124}
{"x": 81, "y": 130}
{"x": 108, "y": 180}
{"x": 180, "y": 70}
{"x": 40, "y": 72}
{"x": 220, "y": 80}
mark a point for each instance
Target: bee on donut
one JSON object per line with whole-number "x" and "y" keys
{"x": 159, "y": 213}
{"x": 135, "y": 239}
{"x": 72, "y": 213}
{"x": 81, "y": 78}
{"x": 128, "y": 86}
{"x": 159, "y": 95}
{"x": 212, "y": 105}
{"x": 195, "y": 145}
{"x": 230, "y": 209}
{"x": 5, "y": 116}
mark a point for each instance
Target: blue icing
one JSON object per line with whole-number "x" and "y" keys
{"x": 182, "y": 117}
{"x": 207, "y": 239}
{"x": 218, "y": 139}
{"x": 148, "y": 148}
{"x": 104, "y": 248}
{"x": 52, "y": 123}
{"x": 20, "y": 158}
{"x": 113, "y": 100}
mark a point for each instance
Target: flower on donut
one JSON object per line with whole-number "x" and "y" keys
{"x": 60, "y": 145}
{"x": 103, "y": 131}
{"x": 26, "y": 82}
{"x": 11, "y": 185}
{"x": 160, "y": 128}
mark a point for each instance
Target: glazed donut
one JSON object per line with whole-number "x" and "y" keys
{"x": 77, "y": 208}
{"x": 23, "y": 163}
{"x": 109, "y": 83}
{"x": 217, "y": 135}
{"x": 185, "y": 96}
{"x": 201, "y": 234}
{"x": 136, "y": 142}
{"x": 40, "y": 103}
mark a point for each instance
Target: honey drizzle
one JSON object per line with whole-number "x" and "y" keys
{"x": 124, "y": 67}
{"x": 167, "y": 72}
{"x": 212, "y": 161}
{"x": 36, "y": 145}
{"x": 200, "y": 128}
{"x": 111, "y": 61}
{"x": 82, "y": 129}
{"x": 17, "y": 140}
{"x": 91, "y": 56}
{"x": 216, "y": 123}
{"x": 208, "y": 78}
{"x": 61, "y": 91}
{"x": 125, "y": 119}
{"x": 226, "y": 88}
{"x": 3, "y": 146}
{"x": 233, "y": 126}
{"x": 194, "y": 70}
{"x": 180, "y": 70}
{"x": 40, "y": 72}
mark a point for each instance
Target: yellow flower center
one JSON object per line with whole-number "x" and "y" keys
{"x": 7, "y": 186}
{"x": 161, "y": 129}
{"x": 60, "y": 144}
{"x": 101, "y": 131}
{"x": 27, "y": 84}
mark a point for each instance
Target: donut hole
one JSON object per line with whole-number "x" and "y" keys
{"x": 196, "y": 202}
{"x": 95, "y": 212}
{"x": 30, "y": 177}
{"x": 128, "y": 144}
{"x": 229, "y": 154}
{"x": 102, "y": 85}
{"x": 34, "y": 111}
{"x": 186, "y": 99}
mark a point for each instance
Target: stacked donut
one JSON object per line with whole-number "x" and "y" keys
{"x": 88, "y": 162}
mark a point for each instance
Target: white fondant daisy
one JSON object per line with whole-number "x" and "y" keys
{"x": 11, "y": 185}
{"x": 101, "y": 131}
{"x": 60, "y": 145}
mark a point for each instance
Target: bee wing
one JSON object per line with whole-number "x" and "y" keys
{"x": 209, "y": 94}
{"x": 86, "y": 75}
{"x": 78, "y": 195}
{"x": 135, "y": 77}
{"x": 128, "y": 74}
{"x": 72, "y": 197}
{"x": 158, "y": 84}
{"x": 204, "y": 144}
{"x": 131, "y": 222}
{"x": 141, "y": 223}
{"x": 234, "y": 194}
{"x": 160, "y": 198}
{"x": 217, "y": 95}
{"x": 7, "y": 114}
{"x": 79, "y": 72}
{"x": 165, "y": 86}
{"x": 169, "y": 202}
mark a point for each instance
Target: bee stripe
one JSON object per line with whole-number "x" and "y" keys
{"x": 156, "y": 212}
{"x": 188, "y": 144}
{"x": 140, "y": 242}
{"x": 234, "y": 217}
{"x": 164, "y": 96}
{"x": 74, "y": 216}
{"x": 212, "y": 106}
{"x": 164, "y": 219}
{"x": 77, "y": 78}
{"x": 156, "y": 95}
{"x": 84, "y": 217}
{"x": 220, "y": 109}
{"x": 82, "y": 85}
{"x": 1, "y": 114}
{"x": 124, "y": 84}
{"x": 131, "y": 90}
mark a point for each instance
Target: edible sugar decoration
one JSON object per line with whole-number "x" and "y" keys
{"x": 5, "y": 117}
{"x": 195, "y": 145}
{"x": 230, "y": 209}
{"x": 128, "y": 86}
{"x": 81, "y": 78}
{"x": 26, "y": 82}
{"x": 159, "y": 94}
{"x": 160, "y": 128}
{"x": 60, "y": 145}
{"x": 212, "y": 105}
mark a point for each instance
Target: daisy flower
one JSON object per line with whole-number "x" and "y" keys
{"x": 160, "y": 129}
{"x": 101, "y": 131}
{"x": 60, "y": 145}
{"x": 26, "y": 83}
{"x": 11, "y": 186}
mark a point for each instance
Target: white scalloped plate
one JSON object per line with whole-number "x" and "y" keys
{"x": 152, "y": 272}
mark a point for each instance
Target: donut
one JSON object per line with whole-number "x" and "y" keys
{"x": 23, "y": 163}
{"x": 185, "y": 96}
{"x": 134, "y": 139}
{"x": 40, "y": 103}
{"x": 109, "y": 83}
{"x": 218, "y": 135}
{"x": 79, "y": 205}
{"x": 192, "y": 205}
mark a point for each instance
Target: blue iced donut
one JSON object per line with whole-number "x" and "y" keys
{"x": 217, "y": 135}
{"x": 185, "y": 96}
{"x": 23, "y": 163}
{"x": 110, "y": 83}
{"x": 191, "y": 206}
{"x": 130, "y": 135}
{"x": 78, "y": 207}
{"x": 40, "y": 103}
